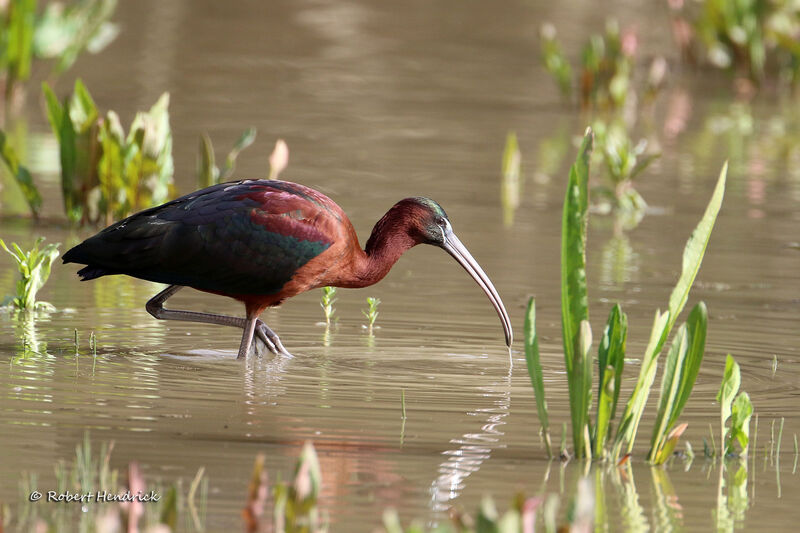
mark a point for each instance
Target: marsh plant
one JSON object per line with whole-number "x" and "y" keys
{"x": 60, "y": 32}
{"x": 511, "y": 183}
{"x": 295, "y": 504}
{"x": 624, "y": 160}
{"x": 90, "y": 472}
{"x": 34, "y": 269}
{"x": 753, "y": 38}
{"x": 602, "y": 438}
{"x": 20, "y": 174}
{"x": 327, "y": 300}
{"x": 106, "y": 174}
{"x": 371, "y": 312}
{"x": 736, "y": 407}
{"x": 604, "y": 78}
{"x": 208, "y": 173}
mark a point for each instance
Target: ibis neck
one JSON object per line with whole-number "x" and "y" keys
{"x": 382, "y": 251}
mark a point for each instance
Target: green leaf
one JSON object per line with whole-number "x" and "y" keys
{"x": 511, "y": 156}
{"x": 535, "y": 371}
{"x": 34, "y": 269}
{"x": 55, "y": 111}
{"x": 487, "y": 520}
{"x": 21, "y": 175}
{"x": 610, "y": 364}
{"x": 169, "y": 509}
{"x": 247, "y": 138}
{"x": 731, "y": 379}
{"x": 82, "y": 109}
{"x": 695, "y": 249}
{"x": 207, "y": 171}
{"x": 670, "y": 382}
{"x": 692, "y": 258}
{"x": 697, "y": 325}
{"x": 574, "y": 301}
{"x": 680, "y": 371}
{"x": 19, "y": 40}
{"x": 741, "y": 411}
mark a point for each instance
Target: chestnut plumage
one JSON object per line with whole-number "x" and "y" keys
{"x": 261, "y": 242}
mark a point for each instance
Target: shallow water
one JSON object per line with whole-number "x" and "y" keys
{"x": 379, "y": 103}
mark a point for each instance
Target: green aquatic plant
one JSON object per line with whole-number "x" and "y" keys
{"x": 64, "y": 31}
{"x": 534, "y": 366}
{"x": 327, "y": 300}
{"x": 682, "y": 362}
{"x": 605, "y": 74}
{"x": 106, "y": 174}
{"x": 692, "y": 258}
{"x": 295, "y": 505}
{"x": 555, "y": 61}
{"x": 90, "y": 473}
{"x": 208, "y": 173}
{"x": 21, "y": 175}
{"x": 623, "y": 160}
{"x": 17, "y": 22}
{"x": 736, "y": 406}
{"x": 522, "y": 515}
{"x": 677, "y": 381}
{"x": 60, "y": 32}
{"x": 371, "y": 312}
{"x": 753, "y": 38}
{"x": 511, "y": 183}
{"x": 34, "y": 269}
{"x": 610, "y": 365}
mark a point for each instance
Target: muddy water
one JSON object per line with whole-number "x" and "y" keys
{"x": 378, "y": 103}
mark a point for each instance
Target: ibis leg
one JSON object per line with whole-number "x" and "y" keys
{"x": 247, "y": 337}
{"x": 155, "y": 306}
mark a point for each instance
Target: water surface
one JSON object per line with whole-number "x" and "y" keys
{"x": 378, "y": 103}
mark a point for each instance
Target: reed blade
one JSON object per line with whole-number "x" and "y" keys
{"x": 535, "y": 371}
{"x": 574, "y": 300}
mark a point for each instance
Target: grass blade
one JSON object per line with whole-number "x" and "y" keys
{"x": 535, "y": 371}
{"x": 574, "y": 301}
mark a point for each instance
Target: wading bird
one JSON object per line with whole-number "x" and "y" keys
{"x": 260, "y": 242}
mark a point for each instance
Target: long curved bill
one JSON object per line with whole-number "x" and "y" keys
{"x": 454, "y": 247}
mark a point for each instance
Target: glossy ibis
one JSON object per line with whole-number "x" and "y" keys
{"x": 260, "y": 242}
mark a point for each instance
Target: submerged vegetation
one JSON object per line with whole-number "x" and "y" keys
{"x": 683, "y": 359}
{"x": 34, "y": 269}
